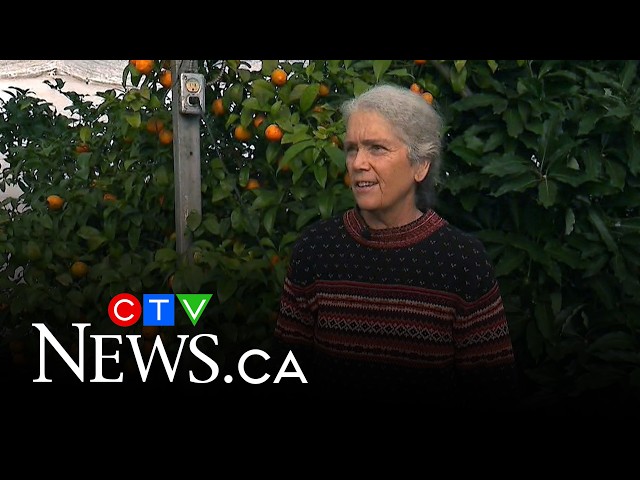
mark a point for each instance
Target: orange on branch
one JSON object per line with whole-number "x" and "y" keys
{"x": 273, "y": 133}
{"x": 218, "y": 107}
{"x": 55, "y": 202}
{"x": 144, "y": 66}
{"x": 154, "y": 125}
{"x": 241, "y": 133}
{"x": 79, "y": 269}
{"x": 252, "y": 184}
{"x": 165, "y": 78}
{"x": 165, "y": 136}
{"x": 258, "y": 120}
{"x": 428, "y": 97}
{"x": 279, "y": 77}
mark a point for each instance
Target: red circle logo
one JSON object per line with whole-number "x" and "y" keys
{"x": 125, "y": 310}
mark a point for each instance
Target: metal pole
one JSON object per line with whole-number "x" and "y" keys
{"x": 186, "y": 158}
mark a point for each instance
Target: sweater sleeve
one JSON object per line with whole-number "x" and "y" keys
{"x": 294, "y": 329}
{"x": 485, "y": 363}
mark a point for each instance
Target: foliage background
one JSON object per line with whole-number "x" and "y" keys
{"x": 541, "y": 161}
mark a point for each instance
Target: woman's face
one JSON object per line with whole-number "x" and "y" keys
{"x": 383, "y": 181}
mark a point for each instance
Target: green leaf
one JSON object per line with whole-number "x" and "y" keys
{"x": 509, "y": 261}
{"x": 325, "y": 204}
{"x": 252, "y": 103}
{"x": 134, "y": 119}
{"x": 193, "y": 278}
{"x": 165, "y": 255}
{"x": 133, "y": 235}
{"x": 305, "y": 216}
{"x": 459, "y": 65}
{"x": 309, "y": 96}
{"x": 517, "y": 184}
{"x": 235, "y": 93}
{"x": 94, "y": 243}
{"x": 544, "y": 321}
{"x": 336, "y": 155}
{"x": 569, "y": 221}
{"x": 85, "y": 134}
{"x": 588, "y": 122}
{"x": 479, "y": 100}
{"x": 269, "y": 219}
{"x": 226, "y": 289}
{"x": 380, "y": 67}
{"x": 514, "y": 123}
{"x": 547, "y": 192}
{"x": 296, "y": 149}
{"x": 359, "y": 86}
{"x": 64, "y": 279}
{"x": 598, "y": 222}
{"x": 612, "y": 341}
{"x": 508, "y": 165}
{"x": 268, "y": 66}
{"x": 617, "y": 173}
{"x": 320, "y": 173}
{"x": 86, "y": 232}
{"x": 194, "y": 218}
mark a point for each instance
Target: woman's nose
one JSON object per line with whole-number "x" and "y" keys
{"x": 360, "y": 161}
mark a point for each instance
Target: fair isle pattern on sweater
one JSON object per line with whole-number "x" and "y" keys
{"x": 411, "y": 300}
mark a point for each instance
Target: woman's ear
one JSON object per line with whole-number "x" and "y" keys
{"x": 421, "y": 171}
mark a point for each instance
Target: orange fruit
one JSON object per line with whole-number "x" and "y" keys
{"x": 415, "y": 88}
{"x": 283, "y": 167}
{"x": 257, "y": 121}
{"x": 324, "y": 90}
{"x": 109, "y": 197}
{"x": 318, "y": 109}
{"x": 218, "y": 107}
{"x": 82, "y": 148}
{"x": 273, "y": 261}
{"x": 165, "y": 78}
{"x": 347, "y": 179}
{"x": 241, "y": 133}
{"x": 336, "y": 141}
{"x": 165, "y": 136}
{"x": 278, "y": 77}
{"x": 144, "y": 66}
{"x": 55, "y": 202}
{"x": 419, "y": 62}
{"x": 273, "y": 133}
{"x": 428, "y": 97}
{"x": 79, "y": 269}
{"x": 154, "y": 125}
{"x": 252, "y": 184}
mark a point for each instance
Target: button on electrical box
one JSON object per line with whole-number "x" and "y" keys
{"x": 191, "y": 93}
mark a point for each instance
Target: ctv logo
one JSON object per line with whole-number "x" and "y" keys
{"x": 156, "y": 309}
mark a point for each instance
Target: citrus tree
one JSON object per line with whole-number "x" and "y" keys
{"x": 541, "y": 162}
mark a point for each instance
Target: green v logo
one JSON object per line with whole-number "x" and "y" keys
{"x": 194, "y": 304}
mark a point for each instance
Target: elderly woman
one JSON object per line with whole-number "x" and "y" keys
{"x": 388, "y": 297}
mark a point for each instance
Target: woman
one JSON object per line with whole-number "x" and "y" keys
{"x": 388, "y": 297}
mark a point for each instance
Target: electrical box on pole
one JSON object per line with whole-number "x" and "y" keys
{"x": 192, "y": 93}
{"x": 187, "y": 106}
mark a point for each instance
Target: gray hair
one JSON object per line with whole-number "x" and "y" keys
{"x": 416, "y": 123}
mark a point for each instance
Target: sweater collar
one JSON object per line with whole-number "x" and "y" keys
{"x": 395, "y": 237}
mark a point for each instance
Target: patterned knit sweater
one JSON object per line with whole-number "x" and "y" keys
{"x": 411, "y": 312}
